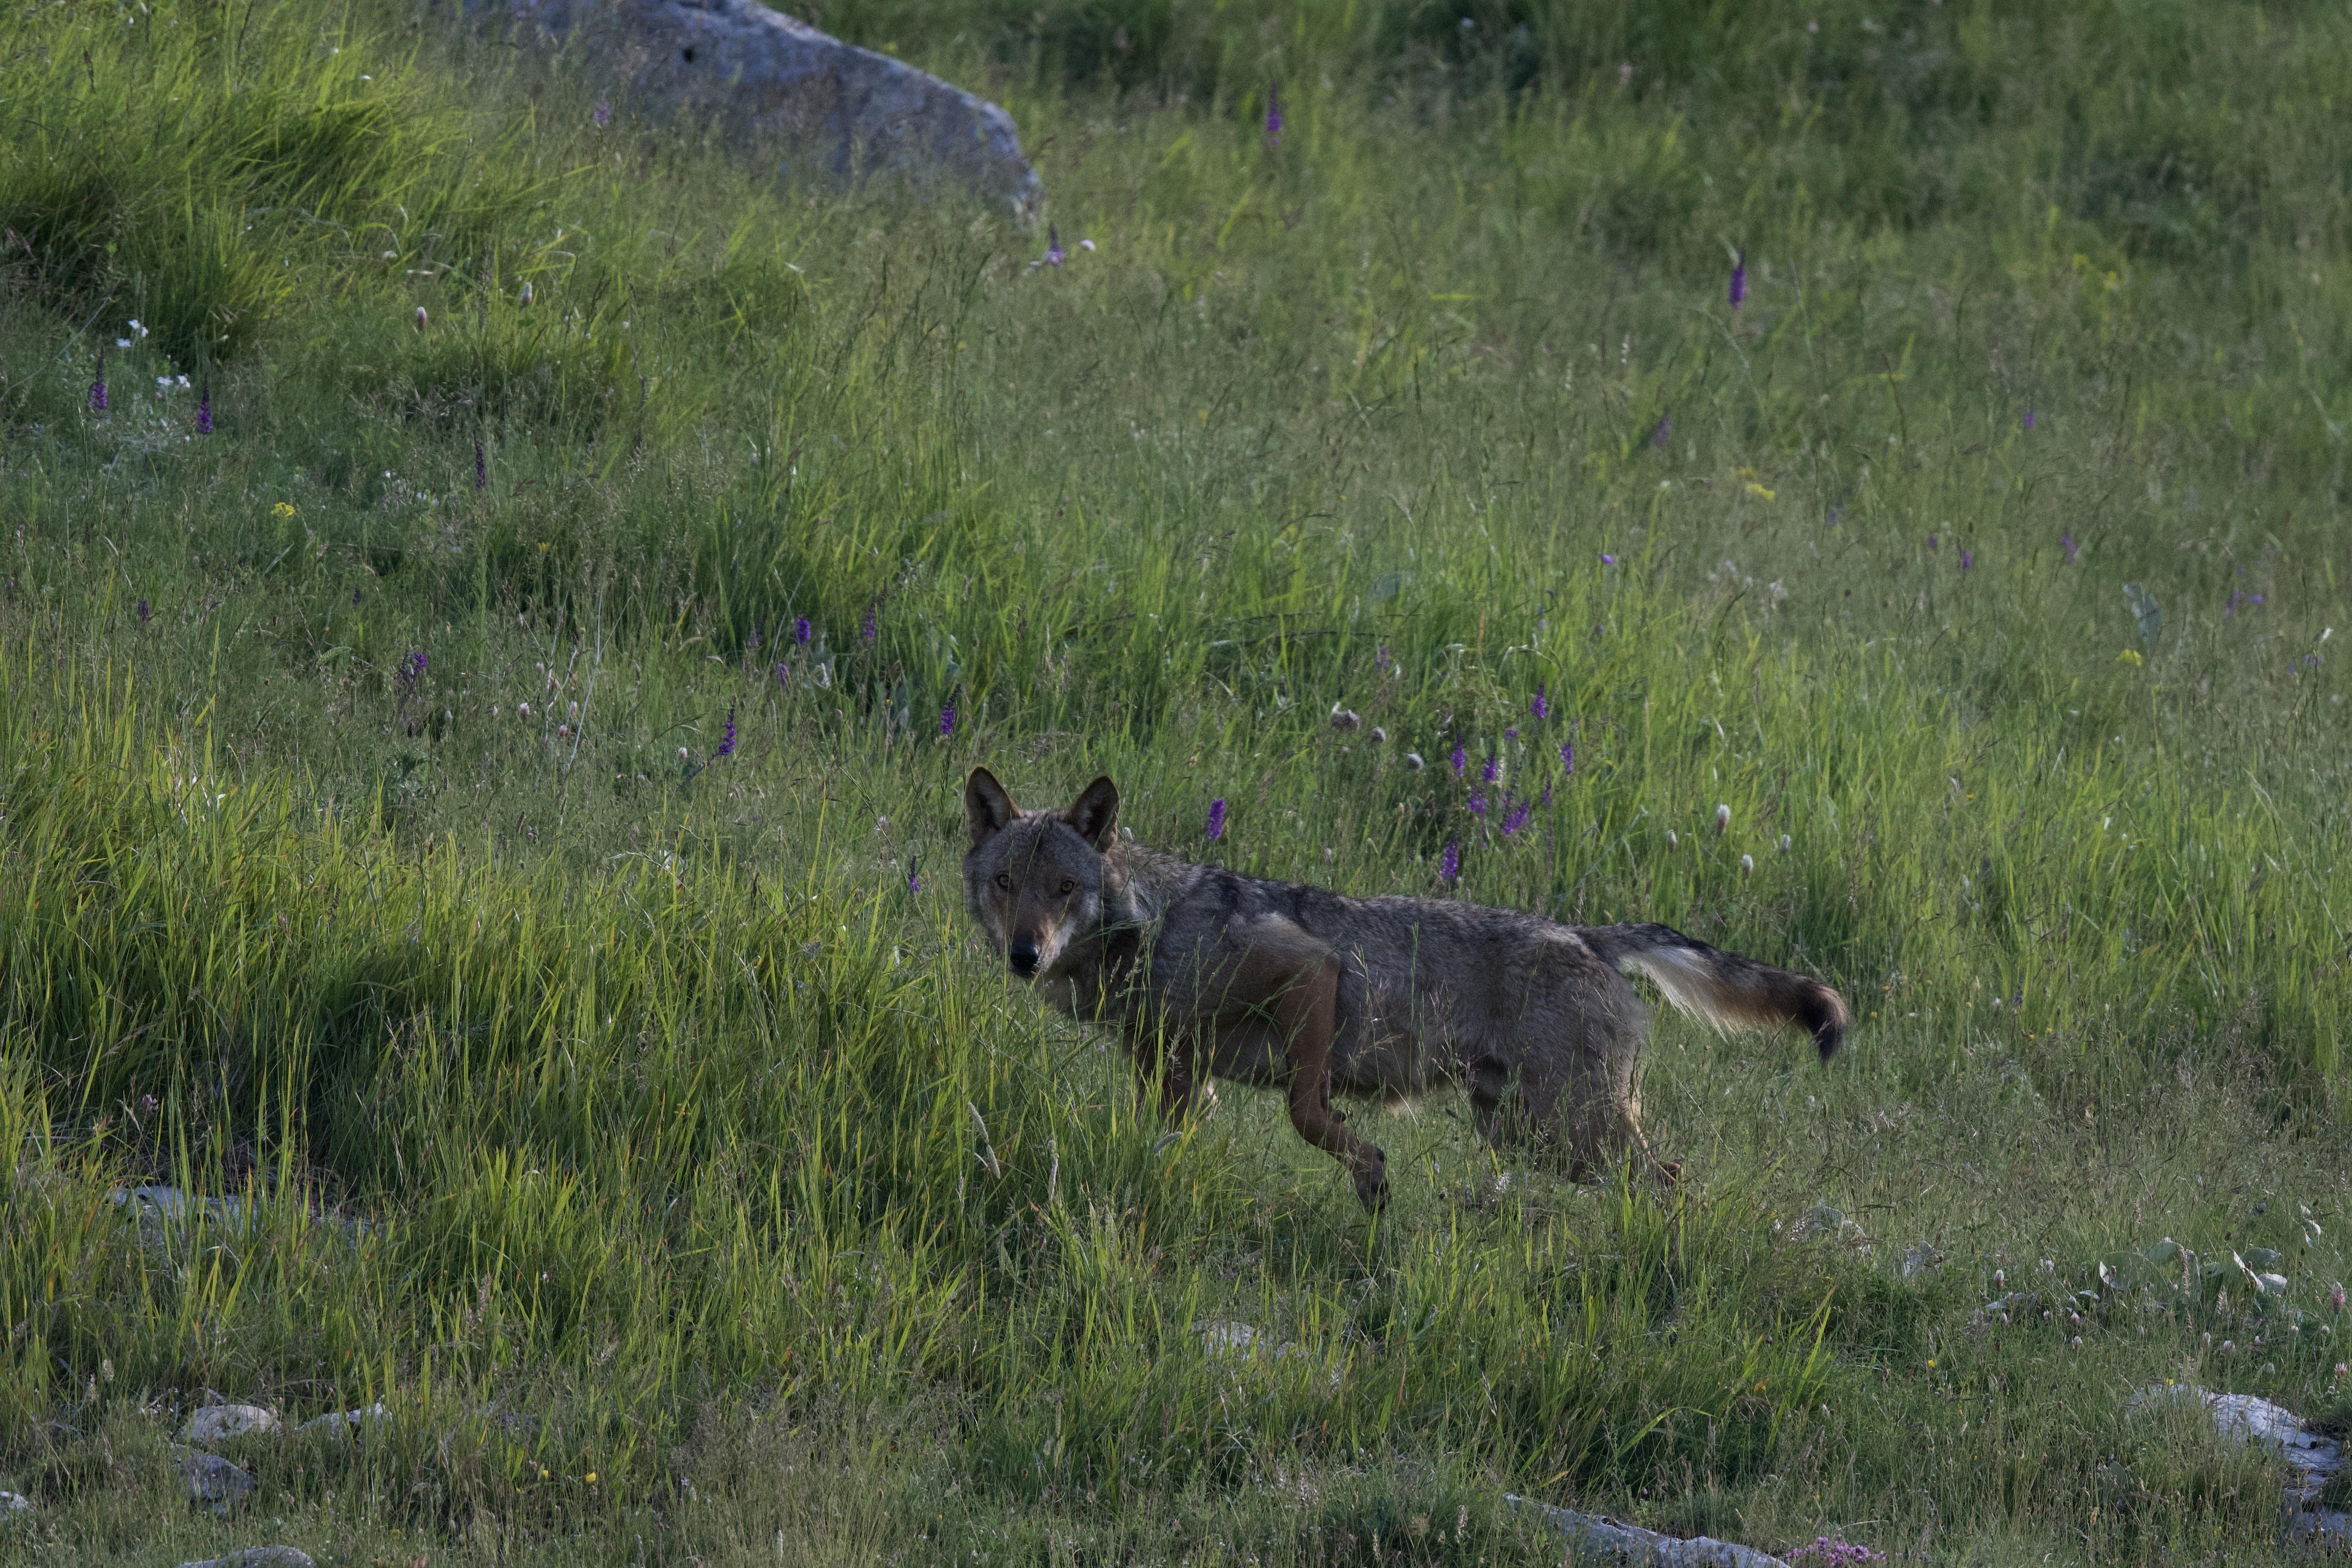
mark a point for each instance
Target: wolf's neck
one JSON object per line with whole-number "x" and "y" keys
{"x": 1146, "y": 882}
{"x": 1141, "y": 884}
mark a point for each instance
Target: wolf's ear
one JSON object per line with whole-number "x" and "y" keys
{"x": 986, "y": 807}
{"x": 1094, "y": 813}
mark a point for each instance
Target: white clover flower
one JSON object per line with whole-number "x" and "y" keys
{"x": 1722, "y": 817}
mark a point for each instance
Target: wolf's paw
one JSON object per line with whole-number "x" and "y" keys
{"x": 1373, "y": 1182}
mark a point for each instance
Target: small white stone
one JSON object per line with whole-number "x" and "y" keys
{"x": 215, "y": 1423}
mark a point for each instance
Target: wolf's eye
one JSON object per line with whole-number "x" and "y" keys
{"x": 1068, "y": 887}
{"x": 1005, "y": 882}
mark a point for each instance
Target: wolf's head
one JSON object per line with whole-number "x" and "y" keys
{"x": 1036, "y": 880}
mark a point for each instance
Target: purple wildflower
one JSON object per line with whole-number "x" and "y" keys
{"x": 1477, "y": 802}
{"x": 409, "y": 672}
{"x": 1216, "y": 818}
{"x": 355, "y": 596}
{"x": 1516, "y": 818}
{"x": 725, "y": 742}
{"x": 947, "y": 721}
{"x": 1449, "y": 864}
{"x": 1511, "y": 732}
{"x": 144, "y": 612}
{"x": 1546, "y": 795}
{"x": 1054, "y": 252}
{"x": 2066, "y": 543}
{"x": 751, "y": 644}
{"x": 2029, "y": 418}
{"x": 1492, "y": 770}
{"x": 1381, "y": 660}
{"x": 1660, "y": 432}
{"x": 1824, "y": 1552}
{"x": 914, "y": 881}
{"x": 801, "y": 631}
{"x": 1931, "y": 541}
{"x": 603, "y": 114}
{"x": 98, "y": 387}
{"x": 1273, "y": 116}
{"x": 783, "y": 677}
{"x": 205, "y": 411}
{"x": 1739, "y": 279}
{"x": 872, "y": 628}
{"x": 1460, "y": 758}
{"x": 1608, "y": 560}
{"x": 1834, "y": 514}
{"x": 1540, "y": 707}
{"x": 1568, "y": 757}
{"x": 1968, "y": 558}
{"x": 481, "y": 468}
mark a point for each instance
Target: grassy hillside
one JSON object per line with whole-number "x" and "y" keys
{"x": 478, "y": 775}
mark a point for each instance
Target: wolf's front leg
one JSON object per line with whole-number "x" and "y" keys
{"x": 1163, "y": 1060}
{"x": 1307, "y": 1007}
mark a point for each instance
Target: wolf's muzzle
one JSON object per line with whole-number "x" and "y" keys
{"x": 1022, "y": 954}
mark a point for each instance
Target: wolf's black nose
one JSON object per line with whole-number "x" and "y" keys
{"x": 1024, "y": 956}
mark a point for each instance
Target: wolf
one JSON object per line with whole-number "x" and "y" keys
{"x": 1207, "y": 973}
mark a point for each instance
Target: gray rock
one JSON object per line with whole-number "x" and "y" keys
{"x": 1597, "y": 1535}
{"x": 830, "y": 107}
{"x": 213, "y": 1423}
{"x": 212, "y": 1480}
{"x": 2312, "y": 1459}
{"x": 259, "y": 1557}
{"x": 345, "y": 1423}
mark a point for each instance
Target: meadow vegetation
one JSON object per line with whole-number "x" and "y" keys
{"x": 479, "y": 778}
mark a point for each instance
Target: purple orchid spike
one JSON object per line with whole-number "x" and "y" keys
{"x": 783, "y": 677}
{"x": 1216, "y": 818}
{"x": 2067, "y": 542}
{"x": 1739, "y": 279}
{"x": 802, "y": 631}
{"x": 1931, "y": 541}
{"x": 1540, "y": 707}
{"x": 914, "y": 881}
{"x": 2029, "y": 418}
{"x": 1968, "y": 558}
{"x": 947, "y": 720}
{"x": 1608, "y": 560}
{"x": 725, "y": 742}
{"x": 1381, "y": 660}
{"x": 1492, "y": 770}
{"x": 872, "y": 628}
{"x": 1477, "y": 802}
{"x": 98, "y": 387}
{"x": 1516, "y": 818}
{"x": 481, "y": 468}
{"x": 144, "y": 612}
{"x": 1273, "y": 116}
{"x": 205, "y": 411}
{"x": 1662, "y": 431}
{"x": 1449, "y": 864}
{"x": 1460, "y": 758}
{"x": 1568, "y": 757}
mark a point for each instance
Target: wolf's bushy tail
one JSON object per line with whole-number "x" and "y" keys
{"x": 1725, "y": 989}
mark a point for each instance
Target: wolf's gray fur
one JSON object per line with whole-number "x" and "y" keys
{"x": 1204, "y": 971}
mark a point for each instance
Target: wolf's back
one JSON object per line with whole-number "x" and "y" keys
{"x": 1724, "y": 988}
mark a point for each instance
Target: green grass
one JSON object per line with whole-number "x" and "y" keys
{"x": 623, "y": 1110}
